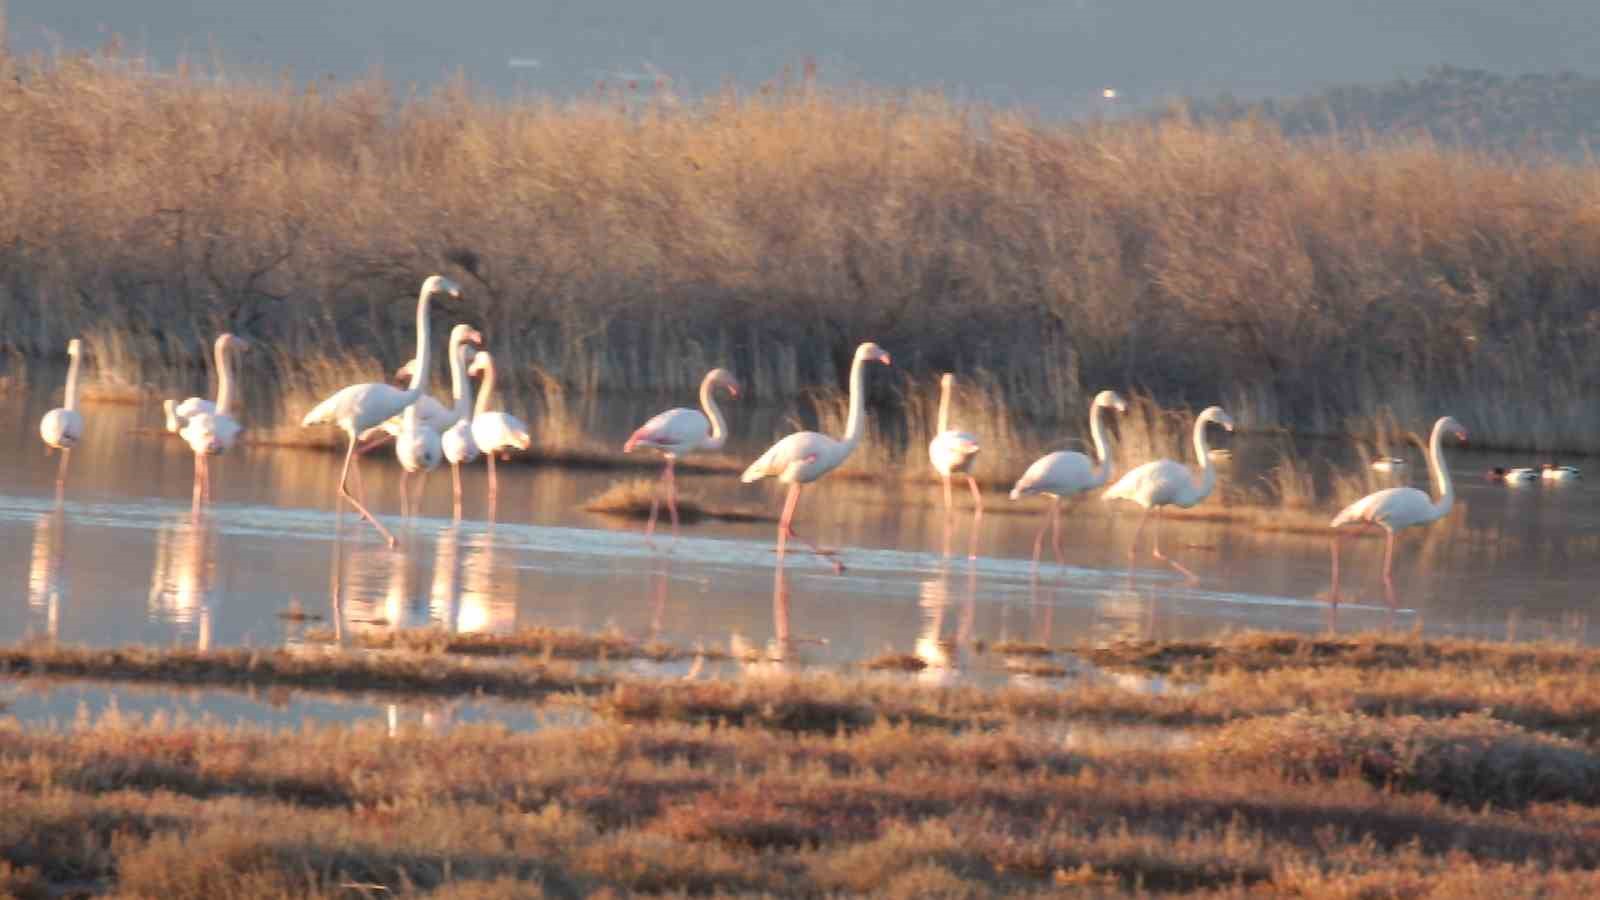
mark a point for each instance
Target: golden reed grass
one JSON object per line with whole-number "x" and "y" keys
{"x": 631, "y": 240}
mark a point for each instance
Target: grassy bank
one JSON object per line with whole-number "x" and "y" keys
{"x": 634, "y": 239}
{"x": 1304, "y": 798}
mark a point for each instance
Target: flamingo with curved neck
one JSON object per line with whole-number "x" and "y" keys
{"x": 457, "y": 442}
{"x": 679, "y": 432}
{"x": 420, "y": 446}
{"x": 358, "y": 407}
{"x": 210, "y": 432}
{"x": 1395, "y": 509}
{"x": 805, "y": 456}
{"x": 1066, "y": 473}
{"x": 1166, "y": 482}
{"x": 495, "y": 432}
{"x": 952, "y": 452}
{"x": 62, "y": 427}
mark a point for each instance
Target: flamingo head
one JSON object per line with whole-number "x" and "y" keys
{"x": 872, "y": 352}
{"x": 405, "y": 372}
{"x": 1448, "y": 425}
{"x": 438, "y": 284}
{"x": 1111, "y": 400}
{"x": 74, "y": 347}
{"x": 481, "y": 363}
{"x": 724, "y": 379}
{"x": 463, "y": 333}
{"x": 947, "y": 381}
{"x": 227, "y": 340}
{"x": 1216, "y": 415}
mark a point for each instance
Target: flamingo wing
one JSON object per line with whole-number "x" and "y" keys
{"x": 1062, "y": 474}
{"x": 801, "y": 457}
{"x": 495, "y": 431}
{"x": 458, "y": 443}
{"x": 674, "y": 431}
{"x": 210, "y": 433}
{"x": 1392, "y": 508}
{"x": 61, "y": 428}
{"x": 1157, "y": 483}
{"x": 952, "y": 451}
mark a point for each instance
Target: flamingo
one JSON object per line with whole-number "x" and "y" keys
{"x": 1165, "y": 482}
{"x": 1553, "y": 472}
{"x": 1394, "y": 509}
{"x": 953, "y": 451}
{"x": 62, "y": 427}
{"x": 210, "y": 428}
{"x": 358, "y": 407}
{"x": 495, "y": 432}
{"x": 419, "y": 445}
{"x": 457, "y": 442}
{"x": 679, "y": 432}
{"x": 805, "y": 456}
{"x": 1065, "y": 473}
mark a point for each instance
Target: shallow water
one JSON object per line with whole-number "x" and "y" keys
{"x": 122, "y": 560}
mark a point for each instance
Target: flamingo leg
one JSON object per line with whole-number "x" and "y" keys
{"x": 672, "y": 495}
{"x": 199, "y": 482}
{"x": 655, "y": 507}
{"x": 344, "y": 491}
{"x": 1155, "y": 550}
{"x": 1133, "y": 548}
{"x": 789, "y": 504}
{"x": 977, "y": 516}
{"x": 494, "y": 483}
{"x": 1038, "y": 540}
{"x": 61, "y": 470}
{"x": 1388, "y": 570}
{"x": 1055, "y": 530}
{"x": 455, "y": 481}
{"x": 405, "y": 494}
{"x": 947, "y": 508}
{"x": 416, "y": 499}
{"x": 786, "y": 527}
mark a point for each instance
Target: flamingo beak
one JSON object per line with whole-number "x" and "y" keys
{"x": 476, "y": 337}
{"x": 884, "y": 358}
{"x": 733, "y": 388}
{"x": 1120, "y": 406}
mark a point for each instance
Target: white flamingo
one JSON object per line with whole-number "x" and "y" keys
{"x": 495, "y": 432}
{"x": 420, "y": 446}
{"x": 679, "y": 432}
{"x": 1166, "y": 482}
{"x": 460, "y": 447}
{"x": 952, "y": 452}
{"x": 62, "y": 427}
{"x": 1066, "y": 473}
{"x": 210, "y": 428}
{"x": 805, "y": 456}
{"x": 1394, "y": 509}
{"x": 358, "y": 407}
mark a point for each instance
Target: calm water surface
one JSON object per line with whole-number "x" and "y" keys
{"x": 122, "y": 560}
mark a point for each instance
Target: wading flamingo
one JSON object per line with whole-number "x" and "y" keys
{"x": 1065, "y": 473}
{"x": 361, "y": 406}
{"x": 62, "y": 427}
{"x": 419, "y": 446}
{"x": 495, "y": 432}
{"x": 460, "y": 448}
{"x": 1394, "y": 509}
{"x": 1165, "y": 482}
{"x": 805, "y": 456}
{"x": 214, "y": 431}
{"x": 679, "y": 432}
{"x": 953, "y": 451}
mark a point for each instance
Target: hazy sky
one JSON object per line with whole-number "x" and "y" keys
{"x": 1055, "y": 56}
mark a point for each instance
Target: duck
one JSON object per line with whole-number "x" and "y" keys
{"x": 1513, "y": 475}
{"x": 1388, "y": 464}
{"x": 1553, "y": 472}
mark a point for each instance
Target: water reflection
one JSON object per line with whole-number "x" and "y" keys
{"x": 942, "y": 655}
{"x": 46, "y": 576}
{"x": 470, "y": 594}
{"x": 184, "y": 577}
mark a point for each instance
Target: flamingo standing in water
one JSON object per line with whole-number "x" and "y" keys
{"x": 805, "y": 456}
{"x": 1394, "y": 509}
{"x": 460, "y": 447}
{"x": 62, "y": 427}
{"x": 679, "y": 432}
{"x": 1065, "y": 473}
{"x": 495, "y": 432}
{"x": 420, "y": 446}
{"x": 1166, "y": 482}
{"x": 361, "y": 406}
{"x": 953, "y": 451}
{"x": 210, "y": 428}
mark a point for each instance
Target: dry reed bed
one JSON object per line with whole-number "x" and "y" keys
{"x": 183, "y": 809}
{"x": 633, "y": 240}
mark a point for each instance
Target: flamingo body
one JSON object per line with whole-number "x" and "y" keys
{"x": 180, "y": 413}
{"x": 62, "y": 428}
{"x": 1059, "y": 474}
{"x": 458, "y": 444}
{"x": 681, "y": 431}
{"x": 1166, "y": 482}
{"x": 498, "y": 432}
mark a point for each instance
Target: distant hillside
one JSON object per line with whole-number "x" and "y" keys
{"x": 1556, "y": 114}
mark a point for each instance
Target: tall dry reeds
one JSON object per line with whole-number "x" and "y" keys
{"x": 631, "y": 241}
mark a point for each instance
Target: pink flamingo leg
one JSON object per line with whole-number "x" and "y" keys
{"x": 1133, "y": 548}
{"x": 977, "y": 516}
{"x": 786, "y": 528}
{"x": 199, "y": 482}
{"x": 61, "y": 473}
{"x": 416, "y": 498}
{"x": 672, "y": 495}
{"x": 455, "y": 481}
{"x": 655, "y": 507}
{"x": 1388, "y": 571}
{"x": 344, "y": 491}
{"x": 405, "y": 494}
{"x": 1055, "y": 530}
{"x": 494, "y": 482}
{"x": 1155, "y": 550}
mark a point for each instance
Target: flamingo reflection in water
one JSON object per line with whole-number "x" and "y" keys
{"x": 941, "y": 656}
{"x": 184, "y": 577}
{"x": 47, "y": 580}
{"x": 467, "y": 596}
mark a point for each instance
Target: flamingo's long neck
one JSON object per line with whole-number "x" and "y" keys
{"x": 419, "y": 376}
{"x": 944, "y": 404}
{"x": 856, "y": 423}
{"x": 72, "y": 382}
{"x": 486, "y": 389}
{"x": 1202, "y": 452}
{"x": 458, "y": 380}
{"x": 1440, "y": 472}
{"x": 708, "y": 402}
{"x": 1102, "y": 443}
{"x": 224, "y": 380}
